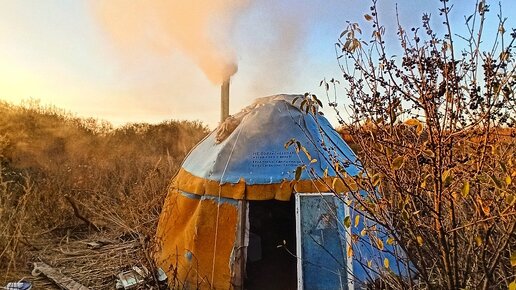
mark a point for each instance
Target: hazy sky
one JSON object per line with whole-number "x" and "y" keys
{"x": 60, "y": 53}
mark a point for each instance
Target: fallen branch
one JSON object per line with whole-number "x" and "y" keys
{"x": 78, "y": 214}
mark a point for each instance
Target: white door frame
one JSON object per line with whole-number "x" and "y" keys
{"x": 299, "y": 252}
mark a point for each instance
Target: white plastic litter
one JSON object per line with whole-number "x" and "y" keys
{"x": 20, "y": 285}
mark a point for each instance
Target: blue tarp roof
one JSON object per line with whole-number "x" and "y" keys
{"x": 255, "y": 150}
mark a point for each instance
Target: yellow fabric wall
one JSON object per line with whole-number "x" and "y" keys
{"x": 186, "y": 239}
{"x": 188, "y": 222}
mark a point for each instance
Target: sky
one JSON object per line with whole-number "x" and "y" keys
{"x": 62, "y": 53}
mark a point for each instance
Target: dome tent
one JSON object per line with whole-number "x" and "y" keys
{"x": 204, "y": 230}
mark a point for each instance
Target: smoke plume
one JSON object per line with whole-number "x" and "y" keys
{"x": 200, "y": 29}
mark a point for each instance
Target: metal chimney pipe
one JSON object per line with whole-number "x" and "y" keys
{"x": 224, "y": 101}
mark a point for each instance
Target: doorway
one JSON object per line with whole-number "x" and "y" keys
{"x": 271, "y": 262}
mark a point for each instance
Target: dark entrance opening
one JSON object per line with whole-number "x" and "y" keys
{"x": 271, "y": 261}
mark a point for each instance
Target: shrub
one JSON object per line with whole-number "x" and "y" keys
{"x": 432, "y": 131}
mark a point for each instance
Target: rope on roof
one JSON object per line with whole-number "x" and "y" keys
{"x": 219, "y": 203}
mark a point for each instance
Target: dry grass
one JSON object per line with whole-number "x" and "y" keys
{"x": 66, "y": 181}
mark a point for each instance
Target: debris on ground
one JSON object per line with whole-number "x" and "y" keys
{"x": 20, "y": 285}
{"x": 91, "y": 260}
{"x": 132, "y": 278}
{"x": 161, "y": 276}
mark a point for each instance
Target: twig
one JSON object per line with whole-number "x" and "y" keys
{"x": 78, "y": 214}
